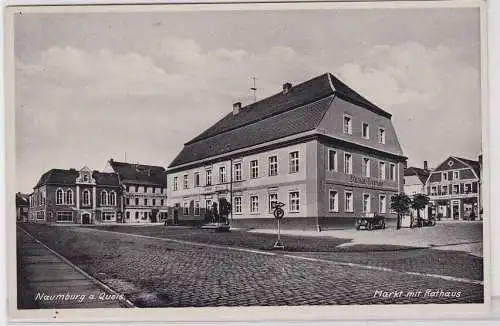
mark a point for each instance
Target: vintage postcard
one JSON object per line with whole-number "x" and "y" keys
{"x": 247, "y": 161}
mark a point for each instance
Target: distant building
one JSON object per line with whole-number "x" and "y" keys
{"x": 454, "y": 189}
{"x": 144, "y": 191}
{"x": 319, "y": 147}
{"x": 71, "y": 196}
{"x": 415, "y": 179}
{"x": 22, "y": 207}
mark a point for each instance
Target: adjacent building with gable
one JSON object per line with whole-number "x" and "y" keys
{"x": 454, "y": 188}
{"x": 71, "y": 196}
{"x": 144, "y": 189}
{"x": 415, "y": 180}
{"x": 322, "y": 149}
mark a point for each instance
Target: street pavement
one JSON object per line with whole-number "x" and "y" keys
{"x": 182, "y": 267}
{"x": 47, "y": 281}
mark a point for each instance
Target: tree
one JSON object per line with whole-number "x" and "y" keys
{"x": 225, "y": 209}
{"x": 401, "y": 204}
{"x": 419, "y": 202}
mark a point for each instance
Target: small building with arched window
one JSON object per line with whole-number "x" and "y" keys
{"x": 80, "y": 197}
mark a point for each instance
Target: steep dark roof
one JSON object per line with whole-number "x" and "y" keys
{"x": 420, "y": 173}
{"x": 68, "y": 178}
{"x": 140, "y": 174}
{"x": 22, "y": 200}
{"x": 278, "y": 116}
{"x": 474, "y": 164}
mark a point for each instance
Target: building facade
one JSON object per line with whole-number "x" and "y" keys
{"x": 415, "y": 180}
{"x": 454, "y": 189}
{"x": 319, "y": 147}
{"x": 22, "y": 207}
{"x": 144, "y": 189}
{"x": 80, "y": 197}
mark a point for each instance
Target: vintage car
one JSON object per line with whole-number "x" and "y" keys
{"x": 370, "y": 221}
{"x": 430, "y": 221}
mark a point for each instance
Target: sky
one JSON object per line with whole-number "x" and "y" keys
{"x": 94, "y": 86}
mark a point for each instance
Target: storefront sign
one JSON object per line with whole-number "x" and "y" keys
{"x": 366, "y": 181}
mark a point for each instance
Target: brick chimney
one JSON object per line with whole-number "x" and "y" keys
{"x": 426, "y": 166}
{"x": 287, "y": 87}
{"x": 236, "y": 108}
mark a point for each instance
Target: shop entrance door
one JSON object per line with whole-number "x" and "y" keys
{"x": 455, "y": 209}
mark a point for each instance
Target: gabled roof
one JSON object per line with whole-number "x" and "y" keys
{"x": 140, "y": 173}
{"x": 275, "y": 117}
{"x": 473, "y": 164}
{"x": 422, "y": 174}
{"x": 68, "y": 178}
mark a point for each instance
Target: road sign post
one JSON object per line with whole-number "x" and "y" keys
{"x": 278, "y": 214}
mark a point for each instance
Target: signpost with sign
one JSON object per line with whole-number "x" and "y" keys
{"x": 279, "y": 213}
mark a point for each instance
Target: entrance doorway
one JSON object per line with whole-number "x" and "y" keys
{"x": 86, "y": 218}
{"x": 176, "y": 216}
{"x": 455, "y": 209}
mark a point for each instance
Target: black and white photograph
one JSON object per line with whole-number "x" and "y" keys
{"x": 229, "y": 156}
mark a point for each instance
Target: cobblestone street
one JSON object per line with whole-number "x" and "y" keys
{"x": 171, "y": 272}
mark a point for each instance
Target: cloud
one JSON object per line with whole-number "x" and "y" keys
{"x": 433, "y": 95}
{"x": 78, "y": 107}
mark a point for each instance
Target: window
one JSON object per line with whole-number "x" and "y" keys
{"x": 444, "y": 190}
{"x": 348, "y": 207}
{"x": 273, "y": 198}
{"x": 293, "y": 200}
{"x": 254, "y": 169}
{"x": 176, "y": 183}
{"x": 333, "y": 201}
{"x": 237, "y": 171}
{"x": 161, "y": 202}
{"x": 185, "y": 181}
{"x": 468, "y": 188}
{"x": 64, "y": 216}
{"x": 127, "y": 215}
{"x": 444, "y": 176}
{"x": 145, "y": 202}
{"x": 392, "y": 172}
{"x": 108, "y": 216}
{"x": 294, "y": 162}
{"x": 137, "y": 188}
{"x": 433, "y": 190}
{"x": 86, "y": 197}
{"x": 366, "y": 203}
{"x": 136, "y": 215}
{"x": 332, "y": 160}
{"x": 154, "y": 190}
{"x": 196, "y": 208}
{"x": 382, "y": 204}
{"x": 254, "y": 204}
{"x": 209, "y": 178}
{"x": 69, "y": 197}
{"x": 366, "y": 167}
{"x": 456, "y": 175}
{"x": 59, "y": 197}
{"x": 365, "y": 131}
{"x": 153, "y": 202}
{"x": 381, "y": 135}
{"x": 347, "y": 124}
{"x": 137, "y": 202}
{"x": 222, "y": 174}
{"x": 347, "y": 163}
{"x": 104, "y": 198}
{"x": 40, "y": 215}
{"x": 208, "y": 205}
{"x": 237, "y": 205}
{"x": 85, "y": 178}
{"x": 186, "y": 208}
{"x": 273, "y": 165}
{"x": 381, "y": 170}
{"x": 112, "y": 198}
{"x": 456, "y": 189}
{"x": 197, "y": 179}
{"x": 145, "y": 189}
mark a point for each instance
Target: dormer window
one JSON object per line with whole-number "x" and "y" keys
{"x": 381, "y": 135}
{"x": 85, "y": 178}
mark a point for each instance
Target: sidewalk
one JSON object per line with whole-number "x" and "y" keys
{"x": 466, "y": 237}
{"x": 47, "y": 280}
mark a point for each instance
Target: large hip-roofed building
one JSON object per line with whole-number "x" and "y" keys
{"x": 319, "y": 147}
